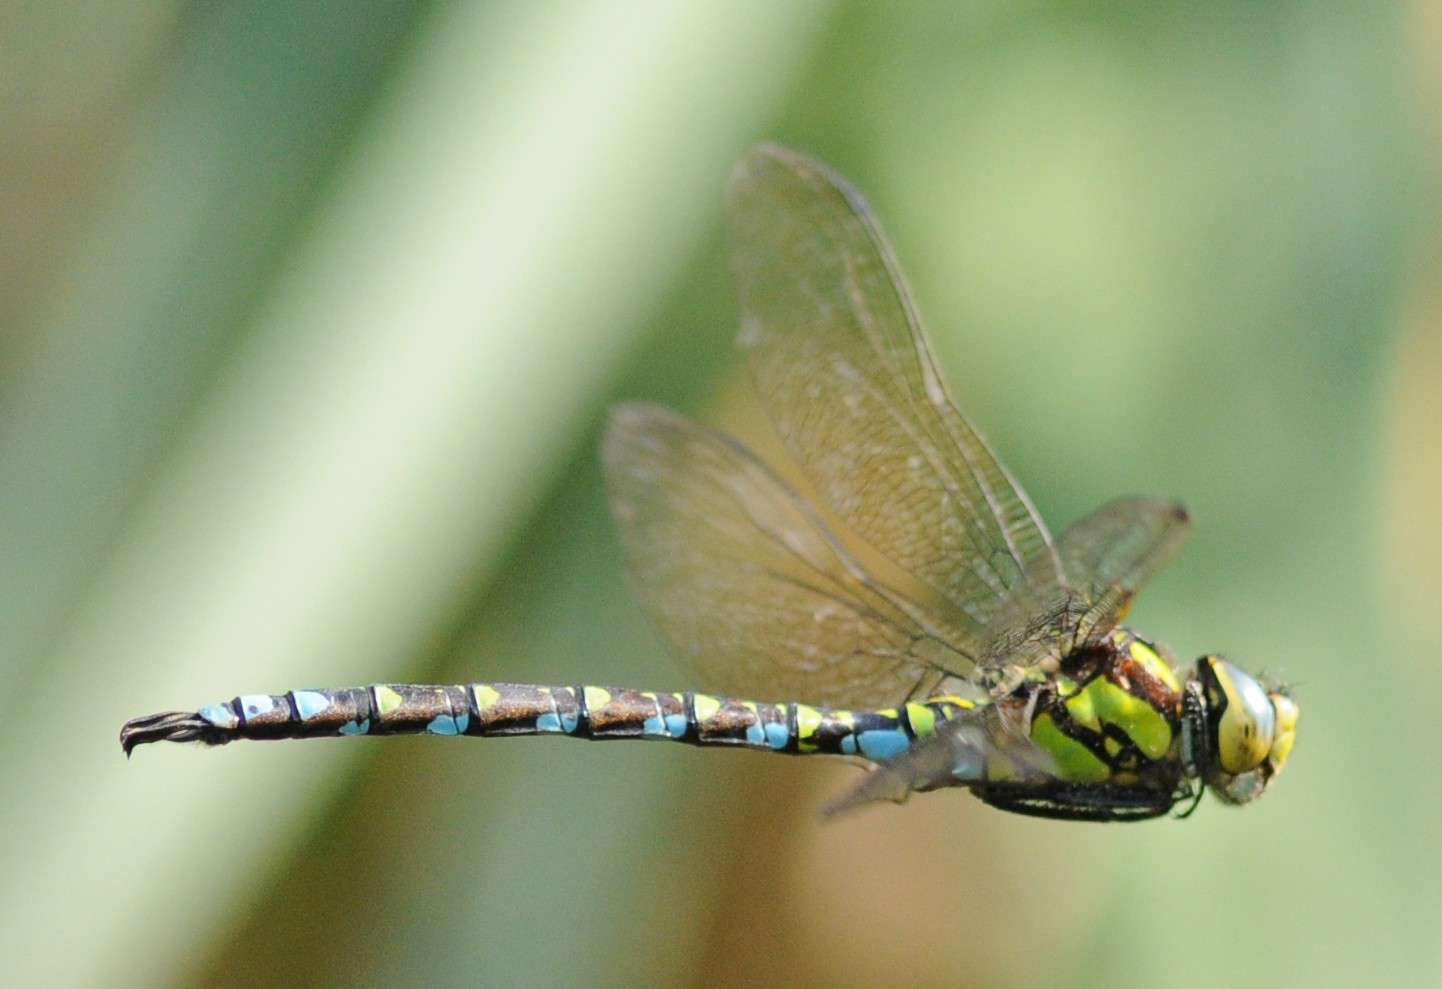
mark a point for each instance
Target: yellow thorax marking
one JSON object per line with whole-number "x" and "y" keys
{"x": 1075, "y": 762}
{"x": 1151, "y": 661}
{"x": 1103, "y": 702}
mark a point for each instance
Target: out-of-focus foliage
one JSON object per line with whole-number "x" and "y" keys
{"x": 309, "y": 315}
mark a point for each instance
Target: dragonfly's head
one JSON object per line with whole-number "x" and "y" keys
{"x": 1236, "y": 733}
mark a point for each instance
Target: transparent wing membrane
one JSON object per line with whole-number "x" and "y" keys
{"x": 1120, "y": 546}
{"x": 748, "y": 585}
{"x": 845, "y": 373}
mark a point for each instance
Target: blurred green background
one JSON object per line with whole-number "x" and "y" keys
{"x": 309, "y": 317}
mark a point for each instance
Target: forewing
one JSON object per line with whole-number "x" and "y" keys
{"x": 748, "y": 585}
{"x": 845, "y": 373}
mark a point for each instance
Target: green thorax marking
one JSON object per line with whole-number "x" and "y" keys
{"x": 1114, "y": 714}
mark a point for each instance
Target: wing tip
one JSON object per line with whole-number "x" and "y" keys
{"x": 628, "y": 413}
{"x": 750, "y": 170}
{"x": 744, "y": 174}
{"x": 626, "y": 424}
{"x": 764, "y": 152}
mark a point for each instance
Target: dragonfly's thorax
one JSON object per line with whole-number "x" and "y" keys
{"x": 1112, "y": 714}
{"x": 1108, "y": 727}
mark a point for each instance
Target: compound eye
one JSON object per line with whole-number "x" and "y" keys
{"x": 1245, "y": 718}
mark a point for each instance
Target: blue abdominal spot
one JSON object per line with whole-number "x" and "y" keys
{"x": 883, "y": 744}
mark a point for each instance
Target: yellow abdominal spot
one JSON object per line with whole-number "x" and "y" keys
{"x": 706, "y": 706}
{"x": 596, "y": 697}
{"x": 485, "y": 696}
{"x": 923, "y": 719}
{"x": 808, "y": 720}
{"x": 387, "y": 700}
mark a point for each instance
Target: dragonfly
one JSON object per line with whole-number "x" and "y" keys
{"x": 903, "y": 584}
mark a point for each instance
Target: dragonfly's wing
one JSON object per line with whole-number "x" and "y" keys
{"x": 845, "y": 373}
{"x": 1108, "y": 556}
{"x": 1122, "y": 544}
{"x": 1116, "y": 549}
{"x": 960, "y": 750}
{"x": 752, "y": 589}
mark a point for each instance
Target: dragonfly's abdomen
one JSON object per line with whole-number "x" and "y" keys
{"x": 589, "y": 712}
